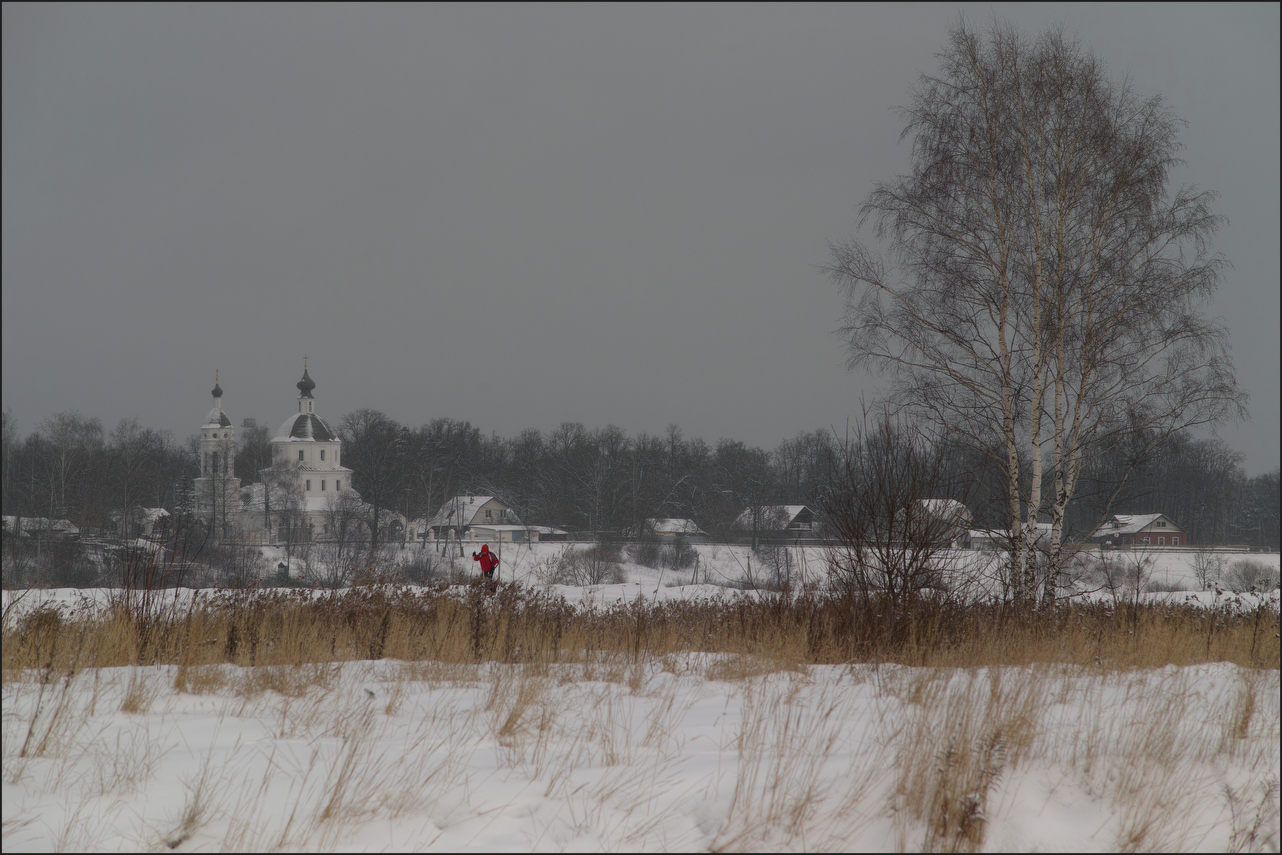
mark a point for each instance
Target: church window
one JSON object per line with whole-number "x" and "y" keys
{"x": 309, "y": 484}
{"x": 322, "y": 454}
{"x": 338, "y": 485}
{"x": 300, "y": 455}
{"x": 322, "y": 486}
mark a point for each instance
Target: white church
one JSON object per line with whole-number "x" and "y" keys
{"x": 306, "y": 494}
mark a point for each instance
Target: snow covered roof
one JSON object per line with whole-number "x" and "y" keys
{"x": 422, "y": 524}
{"x": 305, "y": 427}
{"x": 943, "y": 507}
{"x": 217, "y": 418}
{"x": 1132, "y": 523}
{"x": 780, "y": 516}
{"x": 997, "y": 535}
{"x": 460, "y": 510}
{"x": 30, "y": 524}
{"x": 673, "y": 526}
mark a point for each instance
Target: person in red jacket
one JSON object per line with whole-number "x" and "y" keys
{"x": 488, "y": 561}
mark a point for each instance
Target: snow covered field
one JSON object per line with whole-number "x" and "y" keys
{"x": 682, "y": 752}
{"x": 685, "y": 754}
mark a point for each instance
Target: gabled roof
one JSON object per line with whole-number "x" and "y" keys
{"x": 1132, "y": 524}
{"x": 947, "y": 511}
{"x": 780, "y": 516}
{"x": 30, "y": 524}
{"x": 461, "y": 511}
{"x": 669, "y": 525}
{"x": 998, "y": 535}
{"x": 942, "y": 507}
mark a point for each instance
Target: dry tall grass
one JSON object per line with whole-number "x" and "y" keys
{"x": 517, "y": 625}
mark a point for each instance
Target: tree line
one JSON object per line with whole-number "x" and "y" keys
{"x": 605, "y": 480}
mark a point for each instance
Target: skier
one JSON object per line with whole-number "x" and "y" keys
{"x": 489, "y": 562}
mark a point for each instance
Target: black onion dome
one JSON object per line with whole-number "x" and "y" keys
{"x": 218, "y": 390}
{"x": 306, "y": 385}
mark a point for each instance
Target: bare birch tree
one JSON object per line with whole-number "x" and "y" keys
{"x": 1048, "y": 289}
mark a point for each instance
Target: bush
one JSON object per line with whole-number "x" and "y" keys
{"x": 597, "y": 564}
{"x": 1123, "y": 575}
{"x": 425, "y": 567}
{"x": 1251, "y": 574}
{"x": 235, "y": 565}
{"x": 1207, "y": 568}
{"x": 646, "y": 552}
{"x": 679, "y": 555}
{"x": 776, "y": 566}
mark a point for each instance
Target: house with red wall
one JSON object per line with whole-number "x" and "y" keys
{"x": 1140, "y": 530}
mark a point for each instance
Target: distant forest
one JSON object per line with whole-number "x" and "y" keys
{"x": 603, "y": 480}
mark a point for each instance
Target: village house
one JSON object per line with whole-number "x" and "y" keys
{"x": 946, "y": 521}
{"x": 458, "y": 515}
{"x": 41, "y": 527}
{"x": 486, "y": 533}
{"x": 790, "y": 520}
{"x": 668, "y": 529}
{"x": 1124, "y": 531}
{"x": 996, "y": 539}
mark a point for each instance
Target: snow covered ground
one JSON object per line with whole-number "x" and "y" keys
{"x": 690, "y": 753}
{"x": 679, "y": 753}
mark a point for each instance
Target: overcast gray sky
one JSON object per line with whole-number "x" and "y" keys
{"x": 522, "y": 215}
